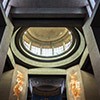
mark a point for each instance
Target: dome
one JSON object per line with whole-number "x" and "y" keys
{"x": 47, "y": 41}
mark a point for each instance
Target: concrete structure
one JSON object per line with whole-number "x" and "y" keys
{"x": 80, "y": 17}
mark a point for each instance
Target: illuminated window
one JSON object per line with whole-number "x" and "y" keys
{"x": 58, "y": 50}
{"x": 67, "y": 45}
{"x": 27, "y": 45}
{"x": 35, "y": 50}
{"x": 46, "y": 52}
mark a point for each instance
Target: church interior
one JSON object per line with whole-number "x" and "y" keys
{"x": 49, "y": 49}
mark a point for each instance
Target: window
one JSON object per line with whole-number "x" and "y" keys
{"x": 58, "y": 50}
{"x": 46, "y": 52}
{"x": 26, "y": 45}
{"x": 35, "y": 50}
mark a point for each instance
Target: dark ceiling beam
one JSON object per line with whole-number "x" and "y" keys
{"x": 48, "y": 16}
{"x": 48, "y": 12}
{"x": 48, "y": 22}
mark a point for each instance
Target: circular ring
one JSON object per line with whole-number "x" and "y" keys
{"x": 57, "y": 61}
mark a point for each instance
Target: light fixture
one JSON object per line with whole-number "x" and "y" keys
{"x": 18, "y": 88}
{"x": 75, "y": 86}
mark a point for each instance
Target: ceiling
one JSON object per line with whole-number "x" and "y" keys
{"x": 45, "y": 3}
{"x": 52, "y": 81}
{"x": 43, "y": 13}
{"x": 47, "y": 37}
{"x": 47, "y": 34}
{"x": 48, "y": 3}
